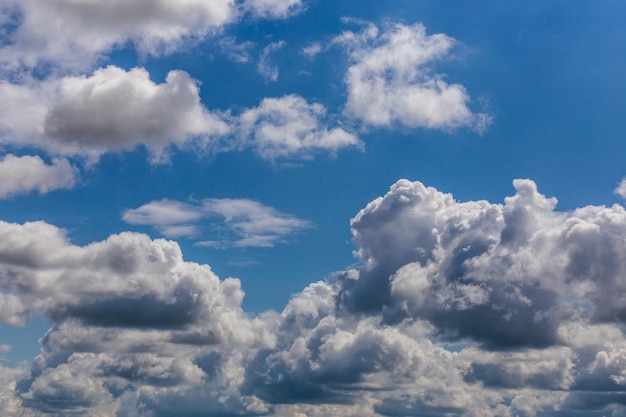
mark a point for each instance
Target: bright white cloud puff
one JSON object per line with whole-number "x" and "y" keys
{"x": 289, "y": 126}
{"x": 391, "y": 80}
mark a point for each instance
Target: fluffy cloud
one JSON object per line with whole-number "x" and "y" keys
{"x": 112, "y": 109}
{"x": 391, "y": 80}
{"x": 83, "y": 30}
{"x": 132, "y": 319}
{"x": 502, "y": 275}
{"x": 289, "y": 126}
{"x": 247, "y": 222}
{"x": 118, "y": 109}
{"x": 23, "y": 174}
{"x": 460, "y": 308}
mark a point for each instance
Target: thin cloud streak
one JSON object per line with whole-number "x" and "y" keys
{"x": 242, "y": 222}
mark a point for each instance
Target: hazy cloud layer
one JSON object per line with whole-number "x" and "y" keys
{"x": 391, "y": 79}
{"x": 460, "y": 308}
{"x": 24, "y": 174}
{"x": 230, "y": 222}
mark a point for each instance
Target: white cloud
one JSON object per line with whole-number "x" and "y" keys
{"x": 23, "y": 174}
{"x": 620, "y": 190}
{"x": 264, "y": 67}
{"x": 242, "y": 222}
{"x": 276, "y": 9}
{"x": 530, "y": 298}
{"x": 313, "y": 49}
{"x": 132, "y": 317}
{"x": 254, "y": 223}
{"x": 84, "y": 30}
{"x": 23, "y": 109}
{"x": 118, "y": 109}
{"x": 114, "y": 109}
{"x": 391, "y": 80}
{"x": 163, "y": 213}
{"x": 238, "y": 52}
{"x": 290, "y": 127}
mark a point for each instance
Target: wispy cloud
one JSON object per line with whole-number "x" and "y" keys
{"x": 232, "y": 222}
{"x": 265, "y": 68}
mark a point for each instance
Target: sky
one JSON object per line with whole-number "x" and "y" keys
{"x": 302, "y": 208}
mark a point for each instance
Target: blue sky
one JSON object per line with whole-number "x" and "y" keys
{"x": 422, "y": 202}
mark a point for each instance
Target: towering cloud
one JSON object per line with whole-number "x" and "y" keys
{"x": 459, "y": 308}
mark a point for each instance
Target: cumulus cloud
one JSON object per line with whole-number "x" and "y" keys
{"x": 132, "y": 319}
{"x": 84, "y": 30}
{"x": 112, "y": 109}
{"x": 391, "y": 80}
{"x": 242, "y": 222}
{"x": 289, "y": 127}
{"x": 502, "y": 275}
{"x": 459, "y": 308}
{"x": 23, "y": 174}
{"x": 118, "y": 109}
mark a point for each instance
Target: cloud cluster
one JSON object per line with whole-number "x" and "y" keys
{"x": 459, "y": 308}
{"x": 114, "y": 109}
{"x": 242, "y": 222}
{"x": 391, "y": 80}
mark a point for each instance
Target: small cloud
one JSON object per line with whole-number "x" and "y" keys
{"x": 391, "y": 81}
{"x": 289, "y": 126}
{"x": 237, "y": 52}
{"x": 620, "y": 190}
{"x": 312, "y": 50}
{"x": 172, "y": 219}
{"x": 24, "y": 174}
{"x": 265, "y": 68}
{"x": 241, "y": 222}
{"x": 276, "y": 9}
